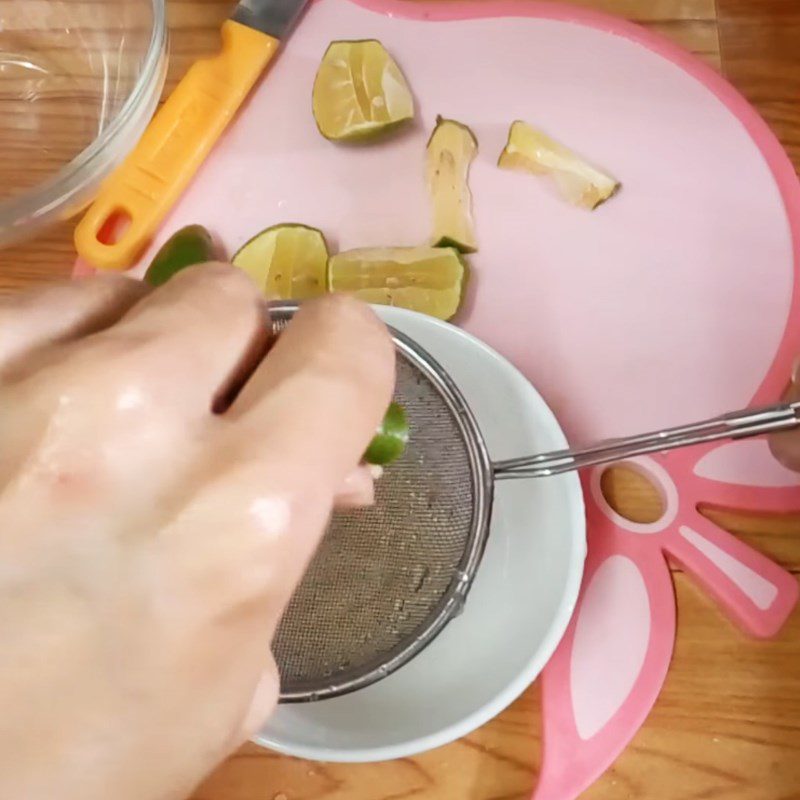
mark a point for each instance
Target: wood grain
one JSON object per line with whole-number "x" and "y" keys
{"x": 727, "y": 725}
{"x": 761, "y": 51}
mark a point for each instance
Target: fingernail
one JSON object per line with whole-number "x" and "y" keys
{"x": 796, "y": 370}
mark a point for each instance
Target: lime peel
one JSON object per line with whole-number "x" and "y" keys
{"x": 359, "y": 92}
{"x": 389, "y": 443}
{"x": 287, "y": 261}
{"x": 430, "y": 280}
{"x": 186, "y": 247}
{"x": 451, "y": 150}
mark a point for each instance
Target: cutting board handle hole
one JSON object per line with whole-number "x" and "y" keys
{"x": 632, "y": 494}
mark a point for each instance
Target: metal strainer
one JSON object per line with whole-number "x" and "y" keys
{"x": 387, "y": 579}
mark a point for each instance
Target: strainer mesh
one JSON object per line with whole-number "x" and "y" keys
{"x": 381, "y": 574}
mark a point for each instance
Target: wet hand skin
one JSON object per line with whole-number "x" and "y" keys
{"x": 147, "y": 545}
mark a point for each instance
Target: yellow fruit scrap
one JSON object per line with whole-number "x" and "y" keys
{"x": 530, "y": 150}
{"x": 430, "y": 280}
{"x": 451, "y": 150}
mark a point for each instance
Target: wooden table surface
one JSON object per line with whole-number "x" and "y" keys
{"x": 727, "y": 725}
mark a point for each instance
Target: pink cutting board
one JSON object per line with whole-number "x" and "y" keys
{"x": 672, "y": 302}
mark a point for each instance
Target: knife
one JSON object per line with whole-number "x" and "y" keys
{"x": 135, "y": 199}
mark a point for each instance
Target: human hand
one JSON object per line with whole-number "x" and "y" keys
{"x": 148, "y": 546}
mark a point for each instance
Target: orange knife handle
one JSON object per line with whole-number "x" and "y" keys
{"x": 145, "y": 187}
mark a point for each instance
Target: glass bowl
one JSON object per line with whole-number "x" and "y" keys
{"x": 79, "y": 81}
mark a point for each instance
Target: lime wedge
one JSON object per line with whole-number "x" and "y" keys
{"x": 390, "y": 441}
{"x": 425, "y": 279}
{"x": 185, "y": 248}
{"x": 287, "y": 262}
{"x": 451, "y": 149}
{"x": 359, "y": 92}
{"x": 529, "y": 150}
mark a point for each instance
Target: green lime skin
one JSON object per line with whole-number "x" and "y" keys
{"x": 389, "y": 443}
{"x": 185, "y": 248}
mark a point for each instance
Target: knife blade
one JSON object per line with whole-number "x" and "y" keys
{"x": 274, "y": 17}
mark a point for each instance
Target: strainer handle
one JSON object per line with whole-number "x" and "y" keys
{"x": 738, "y": 425}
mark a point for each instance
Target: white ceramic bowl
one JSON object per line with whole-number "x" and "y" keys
{"x": 517, "y": 610}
